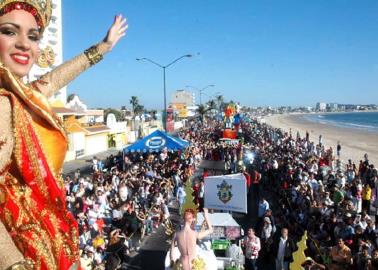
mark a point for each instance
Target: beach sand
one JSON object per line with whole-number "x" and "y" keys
{"x": 354, "y": 143}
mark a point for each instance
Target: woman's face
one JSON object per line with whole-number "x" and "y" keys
{"x": 19, "y": 37}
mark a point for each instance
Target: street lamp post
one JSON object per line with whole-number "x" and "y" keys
{"x": 164, "y": 67}
{"x": 201, "y": 90}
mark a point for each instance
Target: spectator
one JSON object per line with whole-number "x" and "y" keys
{"x": 284, "y": 248}
{"x": 366, "y": 198}
{"x": 252, "y": 248}
{"x": 341, "y": 256}
{"x": 263, "y": 207}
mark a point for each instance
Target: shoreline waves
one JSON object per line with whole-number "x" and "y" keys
{"x": 367, "y": 121}
{"x": 355, "y": 142}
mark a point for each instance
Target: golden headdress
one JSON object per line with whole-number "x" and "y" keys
{"x": 40, "y": 9}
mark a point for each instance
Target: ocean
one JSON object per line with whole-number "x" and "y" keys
{"x": 357, "y": 120}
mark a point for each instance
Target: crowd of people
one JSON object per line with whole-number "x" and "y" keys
{"x": 304, "y": 186}
{"x": 294, "y": 185}
{"x": 126, "y": 198}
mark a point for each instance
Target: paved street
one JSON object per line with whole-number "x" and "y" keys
{"x": 154, "y": 248}
{"x": 85, "y": 163}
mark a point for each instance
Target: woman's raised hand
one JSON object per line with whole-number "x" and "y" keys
{"x": 116, "y": 31}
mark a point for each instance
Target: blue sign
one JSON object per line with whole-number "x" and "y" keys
{"x": 155, "y": 142}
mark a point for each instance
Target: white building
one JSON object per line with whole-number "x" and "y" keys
{"x": 183, "y": 97}
{"x": 87, "y": 134}
{"x": 51, "y": 50}
{"x": 321, "y": 106}
{"x": 332, "y": 106}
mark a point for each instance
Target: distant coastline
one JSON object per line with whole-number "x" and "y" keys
{"x": 355, "y": 142}
{"x": 354, "y": 120}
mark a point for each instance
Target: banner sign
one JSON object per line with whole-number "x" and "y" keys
{"x": 226, "y": 192}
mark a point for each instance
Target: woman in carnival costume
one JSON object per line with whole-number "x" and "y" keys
{"x": 186, "y": 240}
{"x": 36, "y": 229}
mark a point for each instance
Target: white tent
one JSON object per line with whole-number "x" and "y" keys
{"x": 219, "y": 220}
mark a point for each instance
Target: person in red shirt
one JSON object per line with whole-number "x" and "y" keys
{"x": 256, "y": 177}
{"x": 247, "y": 179}
{"x": 205, "y": 173}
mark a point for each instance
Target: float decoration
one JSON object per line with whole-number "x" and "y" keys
{"x": 189, "y": 200}
{"x": 299, "y": 256}
{"x": 229, "y": 122}
{"x": 46, "y": 58}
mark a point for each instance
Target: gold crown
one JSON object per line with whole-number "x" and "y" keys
{"x": 40, "y": 9}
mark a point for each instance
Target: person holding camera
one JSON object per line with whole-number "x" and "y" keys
{"x": 117, "y": 250}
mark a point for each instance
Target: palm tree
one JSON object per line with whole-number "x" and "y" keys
{"x": 136, "y": 107}
{"x": 212, "y": 105}
{"x": 220, "y": 103}
{"x": 139, "y": 109}
{"x": 202, "y": 111}
{"x": 134, "y": 103}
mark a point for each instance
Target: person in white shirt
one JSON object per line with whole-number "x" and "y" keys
{"x": 327, "y": 200}
{"x": 234, "y": 252}
{"x": 252, "y": 247}
{"x": 267, "y": 230}
{"x": 181, "y": 196}
{"x": 87, "y": 259}
{"x": 341, "y": 180}
{"x": 95, "y": 164}
{"x": 123, "y": 192}
{"x": 201, "y": 195}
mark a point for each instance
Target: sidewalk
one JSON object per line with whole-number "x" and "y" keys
{"x": 85, "y": 163}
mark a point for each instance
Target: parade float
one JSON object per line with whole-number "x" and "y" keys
{"x": 211, "y": 251}
{"x": 231, "y": 122}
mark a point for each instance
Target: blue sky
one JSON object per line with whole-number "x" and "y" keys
{"x": 266, "y": 52}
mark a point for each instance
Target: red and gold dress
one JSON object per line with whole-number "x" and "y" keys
{"x": 33, "y": 146}
{"x": 34, "y": 222}
{"x": 33, "y": 206}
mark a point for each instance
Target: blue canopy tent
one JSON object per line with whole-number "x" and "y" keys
{"x": 157, "y": 141}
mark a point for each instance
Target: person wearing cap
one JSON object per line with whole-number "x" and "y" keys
{"x": 267, "y": 229}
